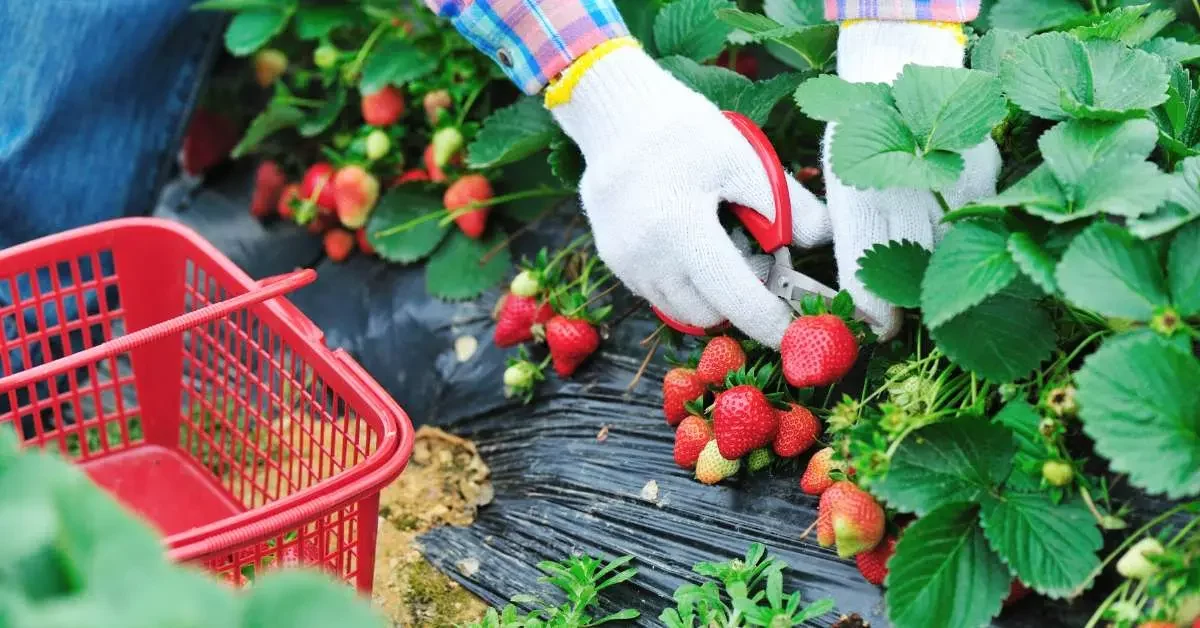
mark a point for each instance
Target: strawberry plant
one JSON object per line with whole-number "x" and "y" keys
{"x": 581, "y": 579}
{"x": 80, "y": 559}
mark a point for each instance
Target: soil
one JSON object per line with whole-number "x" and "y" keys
{"x": 446, "y": 482}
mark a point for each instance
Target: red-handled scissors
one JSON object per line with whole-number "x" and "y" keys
{"x": 774, "y": 237}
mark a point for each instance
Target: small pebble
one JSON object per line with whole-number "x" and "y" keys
{"x": 468, "y": 566}
{"x": 650, "y": 491}
{"x": 465, "y": 347}
{"x": 603, "y": 434}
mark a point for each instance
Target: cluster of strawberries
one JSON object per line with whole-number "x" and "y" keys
{"x": 337, "y": 202}
{"x": 534, "y": 309}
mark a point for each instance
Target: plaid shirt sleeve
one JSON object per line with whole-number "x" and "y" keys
{"x": 926, "y": 10}
{"x": 533, "y": 40}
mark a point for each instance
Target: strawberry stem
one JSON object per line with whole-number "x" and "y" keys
{"x": 499, "y": 200}
{"x": 415, "y": 222}
{"x": 361, "y": 57}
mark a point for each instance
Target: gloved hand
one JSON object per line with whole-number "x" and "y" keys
{"x": 876, "y": 52}
{"x": 660, "y": 158}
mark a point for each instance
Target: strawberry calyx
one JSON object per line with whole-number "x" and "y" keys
{"x": 842, "y": 306}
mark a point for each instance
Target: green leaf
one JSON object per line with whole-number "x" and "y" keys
{"x": 1140, "y": 402}
{"x": 731, "y": 91}
{"x": 971, "y": 264}
{"x": 315, "y": 22}
{"x": 1172, "y": 49}
{"x": 794, "y": 12}
{"x": 1183, "y": 270}
{"x": 532, "y": 174}
{"x": 893, "y": 272}
{"x": 250, "y": 30}
{"x": 1178, "y": 118}
{"x": 1030, "y": 16}
{"x": 690, "y": 28}
{"x": 1050, "y": 547}
{"x": 1023, "y": 421}
{"x": 566, "y": 161}
{"x": 1106, "y": 188}
{"x": 1034, "y": 261}
{"x": 944, "y": 573}
{"x": 990, "y": 50}
{"x": 825, "y": 97}
{"x": 398, "y": 207}
{"x": 1112, "y": 273}
{"x": 238, "y": 5}
{"x": 512, "y": 134}
{"x": 300, "y": 599}
{"x": 947, "y": 463}
{"x": 949, "y": 109}
{"x": 759, "y": 100}
{"x": 1183, "y": 208}
{"x": 639, "y": 19}
{"x": 1124, "y": 79}
{"x": 326, "y": 115}
{"x": 1019, "y": 336}
{"x": 1041, "y": 72}
{"x": 1074, "y": 147}
{"x": 274, "y": 118}
{"x": 878, "y": 151}
{"x": 395, "y": 61}
{"x": 1039, "y": 191}
{"x": 814, "y": 44}
{"x": 457, "y": 270}
{"x": 1124, "y": 24}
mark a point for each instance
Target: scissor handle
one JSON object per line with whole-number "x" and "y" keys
{"x": 771, "y": 236}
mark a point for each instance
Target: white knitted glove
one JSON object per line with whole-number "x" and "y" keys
{"x": 876, "y": 52}
{"x": 660, "y": 158}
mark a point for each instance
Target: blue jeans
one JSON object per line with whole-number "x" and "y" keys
{"x": 94, "y": 99}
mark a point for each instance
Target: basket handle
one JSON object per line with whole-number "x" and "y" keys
{"x": 268, "y": 288}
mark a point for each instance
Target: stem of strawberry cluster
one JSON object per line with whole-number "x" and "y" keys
{"x": 593, "y": 300}
{"x": 506, "y": 198}
{"x": 941, "y": 201}
{"x": 361, "y": 57}
{"x": 415, "y": 222}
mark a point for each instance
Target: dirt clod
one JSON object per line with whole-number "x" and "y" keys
{"x": 446, "y": 482}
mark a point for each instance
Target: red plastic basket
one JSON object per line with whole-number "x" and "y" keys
{"x": 198, "y": 398}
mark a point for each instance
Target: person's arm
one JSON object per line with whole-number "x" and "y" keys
{"x": 533, "y": 41}
{"x": 660, "y": 158}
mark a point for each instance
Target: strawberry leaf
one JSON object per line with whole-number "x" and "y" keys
{"x": 395, "y": 61}
{"x": 401, "y": 207}
{"x": 1034, "y": 261}
{"x": 276, "y": 117}
{"x": 989, "y": 51}
{"x": 1030, "y": 16}
{"x": 566, "y": 161}
{"x": 1183, "y": 270}
{"x": 315, "y": 22}
{"x": 949, "y": 109}
{"x": 1172, "y": 49}
{"x": 894, "y": 271}
{"x": 458, "y": 269}
{"x": 946, "y": 463}
{"x": 825, "y": 97}
{"x": 875, "y": 149}
{"x": 971, "y": 264}
{"x": 690, "y": 28}
{"x": 1022, "y": 420}
{"x": 1019, "y": 337}
{"x": 1112, "y": 273}
{"x": 512, "y": 134}
{"x": 1139, "y": 398}
{"x": 253, "y": 28}
{"x": 944, "y": 573}
{"x": 1049, "y": 547}
{"x": 815, "y": 44}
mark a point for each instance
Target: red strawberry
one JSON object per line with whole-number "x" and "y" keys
{"x": 517, "y": 317}
{"x": 873, "y": 564}
{"x": 415, "y": 175}
{"x": 289, "y": 196}
{"x": 798, "y": 430}
{"x": 743, "y": 420}
{"x": 858, "y": 522}
{"x": 691, "y": 437}
{"x": 208, "y": 140}
{"x": 269, "y": 182}
{"x": 384, "y": 107}
{"x": 357, "y": 191}
{"x": 1016, "y": 592}
{"x": 571, "y": 341}
{"x": 436, "y": 174}
{"x": 339, "y": 243}
{"x": 1157, "y": 624}
{"x": 318, "y": 186}
{"x": 817, "y": 351}
{"x": 364, "y": 244}
{"x": 747, "y": 64}
{"x": 816, "y": 480}
{"x": 269, "y": 65}
{"x": 435, "y": 102}
{"x": 722, "y": 356}
{"x": 473, "y": 188}
{"x": 679, "y": 387}
{"x": 834, "y": 494}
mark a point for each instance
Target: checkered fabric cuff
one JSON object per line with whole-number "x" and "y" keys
{"x": 924, "y": 10}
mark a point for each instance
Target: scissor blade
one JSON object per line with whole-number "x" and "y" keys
{"x": 793, "y": 287}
